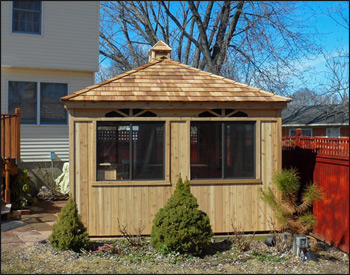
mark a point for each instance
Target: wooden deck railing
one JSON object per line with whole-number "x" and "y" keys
{"x": 10, "y": 149}
{"x": 10, "y": 135}
{"x": 321, "y": 145}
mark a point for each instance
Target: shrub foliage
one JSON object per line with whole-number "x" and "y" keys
{"x": 180, "y": 226}
{"x": 21, "y": 187}
{"x": 292, "y": 212}
{"x": 69, "y": 232}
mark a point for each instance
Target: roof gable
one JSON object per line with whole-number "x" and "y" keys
{"x": 160, "y": 46}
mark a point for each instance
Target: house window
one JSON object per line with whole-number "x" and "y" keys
{"x": 223, "y": 150}
{"x": 130, "y": 151}
{"x": 39, "y": 102}
{"x": 26, "y": 17}
{"x": 333, "y": 132}
{"x": 51, "y": 108}
{"x": 24, "y": 95}
{"x": 304, "y": 132}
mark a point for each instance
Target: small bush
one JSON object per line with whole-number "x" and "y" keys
{"x": 180, "y": 226}
{"x": 294, "y": 216}
{"x": 136, "y": 239}
{"x": 241, "y": 241}
{"x": 69, "y": 232}
{"x": 21, "y": 187}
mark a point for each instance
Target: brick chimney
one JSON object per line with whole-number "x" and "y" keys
{"x": 159, "y": 50}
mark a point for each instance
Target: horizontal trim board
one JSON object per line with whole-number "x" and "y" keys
{"x": 225, "y": 181}
{"x": 315, "y": 125}
{"x": 129, "y": 183}
{"x": 176, "y": 105}
{"x": 176, "y": 119}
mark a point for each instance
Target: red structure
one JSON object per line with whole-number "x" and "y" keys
{"x": 10, "y": 150}
{"x": 319, "y": 145}
{"x": 332, "y": 175}
{"x": 324, "y": 161}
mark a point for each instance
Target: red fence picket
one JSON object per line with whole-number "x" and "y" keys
{"x": 324, "y": 161}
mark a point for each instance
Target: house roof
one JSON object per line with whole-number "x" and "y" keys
{"x": 317, "y": 115}
{"x": 165, "y": 80}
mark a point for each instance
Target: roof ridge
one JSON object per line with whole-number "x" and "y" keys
{"x": 107, "y": 81}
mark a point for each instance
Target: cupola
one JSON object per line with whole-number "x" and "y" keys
{"x": 159, "y": 50}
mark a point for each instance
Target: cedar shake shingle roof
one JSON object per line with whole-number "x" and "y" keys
{"x": 165, "y": 80}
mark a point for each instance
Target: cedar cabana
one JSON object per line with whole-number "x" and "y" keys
{"x": 133, "y": 135}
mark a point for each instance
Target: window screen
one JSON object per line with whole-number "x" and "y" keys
{"x": 239, "y": 150}
{"x": 130, "y": 151}
{"x": 51, "y": 108}
{"x": 222, "y": 150}
{"x": 206, "y": 150}
{"x": 304, "y": 132}
{"x": 24, "y": 95}
{"x": 333, "y": 132}
{"x": 26, "y": 17}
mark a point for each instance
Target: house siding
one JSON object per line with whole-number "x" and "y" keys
{"x": 37, "y": 141}
{"x": 69, "y": 39}
{"x": 67, "y": 51}
{"x": 318, "y": 131}
{"x": 37, "y": 147}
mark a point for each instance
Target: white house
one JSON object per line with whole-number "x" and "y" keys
{"x": 48, "y": 49}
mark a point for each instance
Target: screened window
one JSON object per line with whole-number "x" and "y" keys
{"x": 26, "y": 17}
{"x": 130, "y": 151}
{"x": 222, "y": 150}
{"x": 24, "y": 95}
{"x": 43, "y": 109}
{"x": 333, "y": 132}
{"x": 51, "y": 108}
{"x": 304, "y": 132}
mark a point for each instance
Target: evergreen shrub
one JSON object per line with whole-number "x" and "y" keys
{"x": 293, "y": 212}
{"x": 180, "y": 226}
{"x": 69, "y": 232}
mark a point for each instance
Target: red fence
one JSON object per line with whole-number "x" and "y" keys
{"x": 324, "y": 161}
{"x": 10, "y": 135}
{"x": 321, "y": 145}
{"x": 10, "y": 150}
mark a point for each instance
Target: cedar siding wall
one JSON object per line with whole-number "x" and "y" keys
{"x": 102, "y": 204}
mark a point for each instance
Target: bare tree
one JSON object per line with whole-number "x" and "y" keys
{"x": 306, "y": 97}
{"x": 338, "y": 64}
{"x": 335, "y": 84}
{"x": 256, "y": 42}
{"x": 337, "y": 76}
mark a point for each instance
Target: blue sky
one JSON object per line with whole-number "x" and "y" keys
{"x": 330, "y": 35}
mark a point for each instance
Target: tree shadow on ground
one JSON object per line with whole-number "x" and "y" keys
{"x": 215, "y": 247}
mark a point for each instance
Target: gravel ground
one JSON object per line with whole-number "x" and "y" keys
{"x": 222, "y": 257}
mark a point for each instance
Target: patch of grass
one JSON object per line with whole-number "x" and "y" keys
{"x": 265, "y": 257}
{"x": 260, "y": 238}
{"x": 43, "y": 259}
